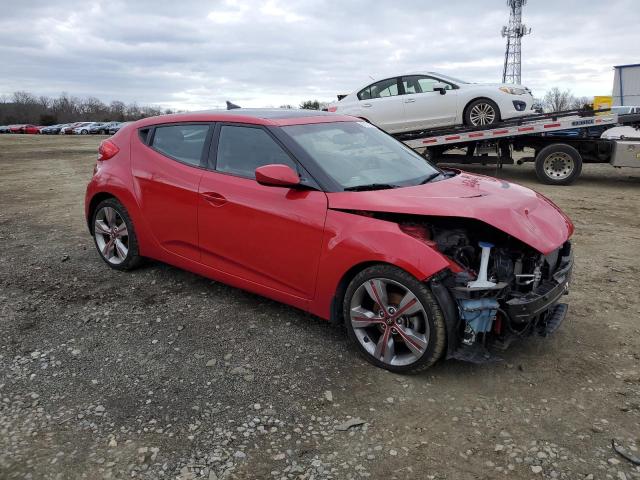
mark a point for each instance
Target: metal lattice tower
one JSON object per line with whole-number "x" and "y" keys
{"x": 514, "y": 33}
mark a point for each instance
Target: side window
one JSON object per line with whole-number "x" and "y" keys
{"x": 182, "y": 142}
{"x": 243, "y": 149}
{"x": 384, "y": 88}
{"x": 421, "y": 84}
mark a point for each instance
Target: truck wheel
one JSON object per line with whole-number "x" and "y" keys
{"x": 558, "y": 164}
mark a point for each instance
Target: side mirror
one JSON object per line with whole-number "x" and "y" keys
{"x": 440, "y": 87}
{"x": 277, "y": 175}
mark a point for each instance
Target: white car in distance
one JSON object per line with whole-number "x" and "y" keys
{"x": 417, "y": 101}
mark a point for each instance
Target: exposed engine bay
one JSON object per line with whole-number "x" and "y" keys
{"x": 503, "y": 289}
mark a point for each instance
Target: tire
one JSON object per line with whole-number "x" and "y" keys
{"x": 481, "y": 112}
{"x": 84, "y": 132}
{"x": 558, "y": 164}
{"x": 414, "y": 341}
{"x": 109, "y": 231}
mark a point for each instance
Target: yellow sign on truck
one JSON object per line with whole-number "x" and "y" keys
{"x": 602, "y": 101}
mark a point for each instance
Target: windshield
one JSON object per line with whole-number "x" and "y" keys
{"x": 447, "y": 77}
{"x": 357, "y": 154}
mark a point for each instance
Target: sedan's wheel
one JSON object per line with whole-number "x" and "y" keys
{"x": 481, "y": 113}
{"x": 84, "y": 132}
{"x": 393, "y": 319}
{"x": 114, "y": 235}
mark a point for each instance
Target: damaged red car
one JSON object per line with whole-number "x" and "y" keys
{"x": 331, "y": 215}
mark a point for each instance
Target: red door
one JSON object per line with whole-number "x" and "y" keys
{"x": 166, "y": 176}
{"x": 270, "y": 236}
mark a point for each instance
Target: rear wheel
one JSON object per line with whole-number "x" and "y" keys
{"x": 481, "y": 112}
{"x": 558, "y": 164}
{"x": 84, "y": 132}
{"x": 394, "y": 320}
{"x": 114, "y": 235}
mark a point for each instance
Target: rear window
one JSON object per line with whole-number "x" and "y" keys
{"x": 181, "y": 142}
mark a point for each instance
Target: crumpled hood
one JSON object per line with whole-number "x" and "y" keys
{"x": 516, "y": 210}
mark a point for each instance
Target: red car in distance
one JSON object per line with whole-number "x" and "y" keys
{"x": 17, "y": 128}
{"x": 31, "y": 129}
{"x": 331, "y": 215}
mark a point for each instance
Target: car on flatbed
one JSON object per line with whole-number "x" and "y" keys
{"x": 333, "y": 216}
{"x": 417, "y": 101}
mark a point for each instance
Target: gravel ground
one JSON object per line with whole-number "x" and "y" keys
{"x": 159, "y": 373}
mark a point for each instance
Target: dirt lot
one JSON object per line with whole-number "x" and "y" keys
{"x": 159, "y": 373}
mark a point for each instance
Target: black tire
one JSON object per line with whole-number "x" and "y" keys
{"x": 84, "y": 132}
{"x": 436, "y": 341}
{"x": 132, "y": 258}
{"x": 478, "y": 104}
{"x": 558, "y": 164}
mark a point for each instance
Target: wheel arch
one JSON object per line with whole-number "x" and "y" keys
{"x": 336, "y": 316}
{"x": 93, "y": 203}
{"x": 481, "y": 97}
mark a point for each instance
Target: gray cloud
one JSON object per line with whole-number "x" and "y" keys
{"x": 196, "y": 54}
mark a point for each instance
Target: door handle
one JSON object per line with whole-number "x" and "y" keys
{"x": 214, "y": 198}
{"x": 366, "y": 105}
{"x": 410, "y": 100}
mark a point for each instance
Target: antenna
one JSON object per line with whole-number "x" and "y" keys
{"x": 514, "y": 33}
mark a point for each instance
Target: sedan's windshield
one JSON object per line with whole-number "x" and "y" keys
{"x": 357, "y": 154}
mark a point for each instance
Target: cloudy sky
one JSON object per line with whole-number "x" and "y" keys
{"x": 189, "y": 54}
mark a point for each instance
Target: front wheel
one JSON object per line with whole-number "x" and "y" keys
{"x": 114, "y": 235}
{"x": 84, "y": 132}
{"x": 481, "y": 112}
{"x": 394, "y": 319}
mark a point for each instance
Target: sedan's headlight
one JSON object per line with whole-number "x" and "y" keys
{"x": 513, "y": 90}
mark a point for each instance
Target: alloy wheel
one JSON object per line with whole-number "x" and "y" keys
{"x": 389, "y": 321}
{"x": 482, "y": 114}
{"x": 111, "y": 234}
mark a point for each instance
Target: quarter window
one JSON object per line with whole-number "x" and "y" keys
{"x": 182, "y": 142}
{"x": 243, "y": 149}
{"x": 384, "y": 88}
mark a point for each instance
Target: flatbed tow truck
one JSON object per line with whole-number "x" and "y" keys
{"x": 562, "y": 142}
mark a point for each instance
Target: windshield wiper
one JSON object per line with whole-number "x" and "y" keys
{"x": 433, "y": 176}
{"x": 370, "y": 186}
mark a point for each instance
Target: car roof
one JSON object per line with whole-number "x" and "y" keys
{"x": 255, "y": 116}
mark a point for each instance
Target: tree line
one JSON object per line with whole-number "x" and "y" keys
{"x": 24, "y": 107}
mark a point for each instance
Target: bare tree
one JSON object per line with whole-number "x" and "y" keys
{"x": 556, "y": 100}
{"x": 582, "y": 103}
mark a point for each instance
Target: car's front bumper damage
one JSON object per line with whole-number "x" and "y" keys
{"x": 484, "y": 321}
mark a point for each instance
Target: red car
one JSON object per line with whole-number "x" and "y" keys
{"x": 31, "y": 129}
{"x": 331, "y": 215}
{"x": 16, "y": 128}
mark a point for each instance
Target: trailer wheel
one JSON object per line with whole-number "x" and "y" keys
{"x": 558, "y": 164}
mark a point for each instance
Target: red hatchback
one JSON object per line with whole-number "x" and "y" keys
{"x": 333, "y": 216}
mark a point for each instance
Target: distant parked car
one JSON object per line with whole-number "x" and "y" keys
{"x": 52, "y": 129}
{"x": 4, "y": 129}
{"x": 416, "y": 101}
{"x": 102, "y": 128}
{"x": 83, "y": 128}
{"x": 117, "y": 127}
{"x": 68, "y": 129}
{"x": 16, "y": 128}
{"x": 30, "y": 129}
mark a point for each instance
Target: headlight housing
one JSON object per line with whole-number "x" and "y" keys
{"x": 513, "y": 90}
